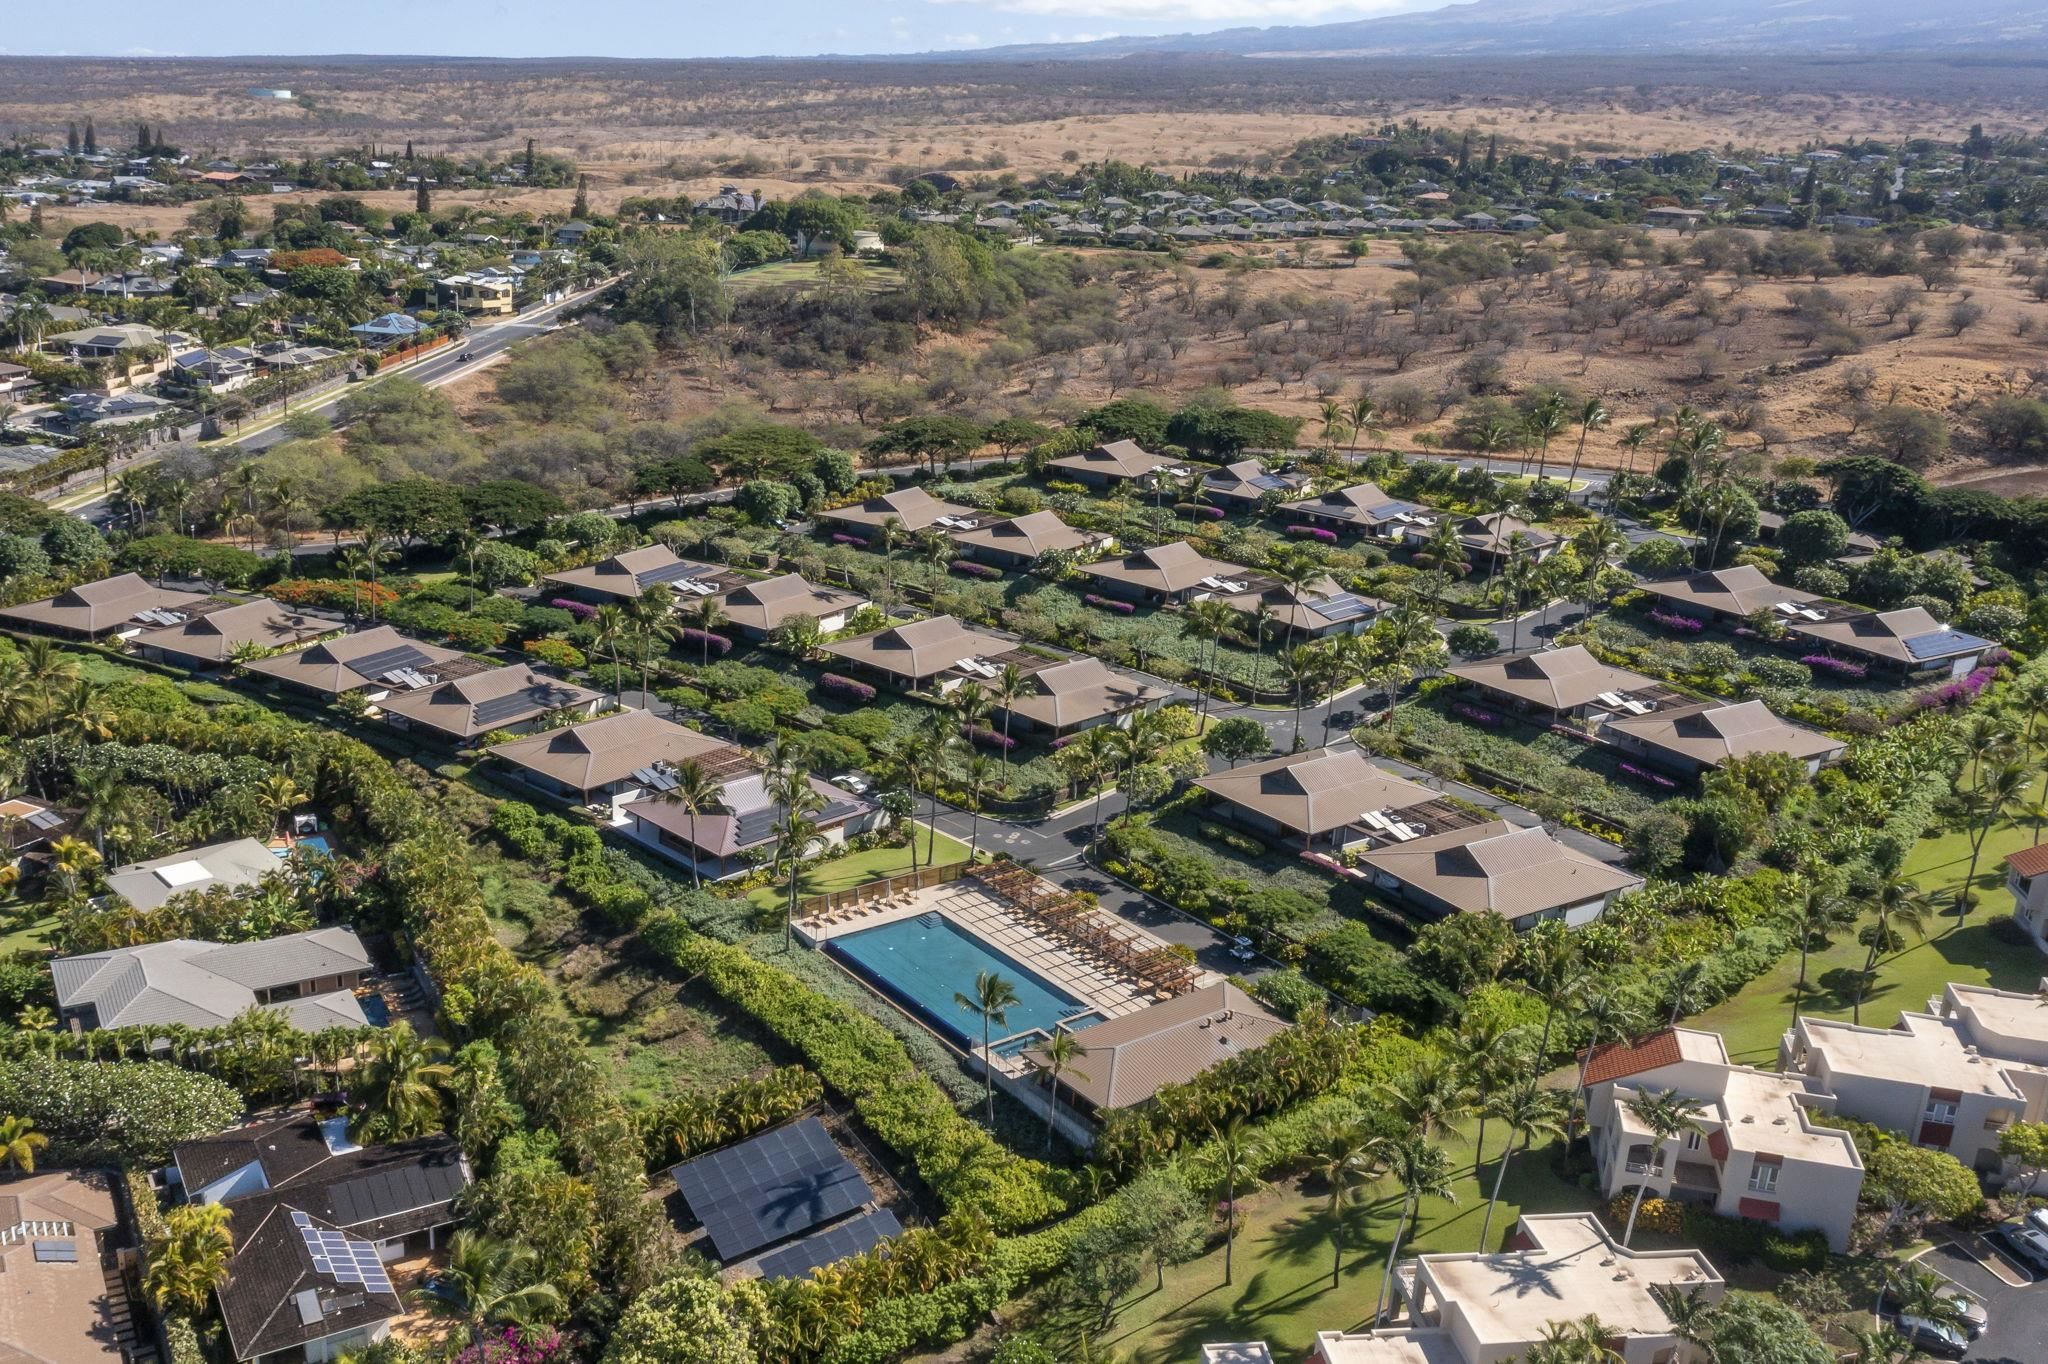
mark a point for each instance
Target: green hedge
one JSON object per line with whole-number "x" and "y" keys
{"x": 859, "y": 1058}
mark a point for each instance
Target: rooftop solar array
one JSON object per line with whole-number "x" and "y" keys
{"x": 342, "y": 1258}
{"x": 831, "y": 1245}
{"x": 779, "y": 1184}
{"x": 389, "y": 661}
{"x": 1942, "y": 643}
{"x": 1271, "y": 483}
{"x": 511, "y": 707}
{"x": 1389, "y": 510}
{"x": 45, "y": 819}
{"x": 654, "y": 779}
{"x": 66, "y": 1252}
{"x": 1343, "y": 606}
{"x": 397, "y": 1189}
{"x": 668, "y": 573}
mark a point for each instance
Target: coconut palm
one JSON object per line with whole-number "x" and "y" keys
{"x": 1059, "y": 1055}
{"x": 402, "y": 1084}
{"x": 1100, "y": 748}
{"x": 699, "y": 793}
{"x": 1995, "y": 797}
{"x": 1545, "y": 423}
{"x": 1363, "y": 418}
{"x": 1579, "y": 1341}
{"x": 1608, "y": 1018}
{"x": 19, "y": 1142}
{"x": 705, "y": 618}
{"x": 1346, "y": 1158}
{"x": 797, "y": 836}
{"x": 1666, "y": 1115}
{"x": 189, "y": 1258}
{"x": 1011, "y": 685}
{"x": 1593, "y": 415}
{"x": 980, "y": 773}
{"x": 1491, "y": 1055}
{"x": 1232, "y": 1162}
{"x": 1690, "y": 1315}
{"x": 489, "y": 1281}
{"x": 1430, "y": 1097}
{"x": 653, "y": 614}
{"x": 993, "y": 997}
{"x": 1422, "y": 1170}
{"x": 1898, "y": 904}
{"x": 1529, "y": 1111}
{"x": 608, "y": 627}
{"x": 1210, "y": 621}
{"x": 1300, "y": 668}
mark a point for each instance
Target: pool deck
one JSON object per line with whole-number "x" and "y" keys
{"x": 994, "y": 921}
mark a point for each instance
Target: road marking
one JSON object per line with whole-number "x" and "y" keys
{"x": 1981, "y": 1249}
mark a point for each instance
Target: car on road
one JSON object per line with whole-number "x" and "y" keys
{"x": 1934, "y": 1337}
{"x": 1972, "y": 1316}
{"x": 2028, "y": 1237}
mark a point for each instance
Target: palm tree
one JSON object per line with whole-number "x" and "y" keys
{"x": 1099, "y": 749}
{"x": 1363, "y": 417}
{"x": 189, "y": 1258}
{"x": 489, "y": 1281}
{"x": 1429, "y": 1097}
{"x": 1234, "y": 1160}
{"x": 1546, "y": 423}
{"x": 980, "y": 772}
{"x": 1345, "y": 1156}
{"x": 1608, "y": 1017}
{"x": 797, "y": 836}
{"x": 1687, "y": 989}
{"x": 1690, "y": 1315}
{"x": 1992, "y": 801}
{"x": 699, "y": 793}
{"x": 653, "y": 614}
{"x": 931, "y": 746}
{"x": 1593, "y": 414}
{"x": 1530, "y": 1111}
{"x": 1444, "y": 552}
{"x": 993, "y": 997}
{"x": 1059, "y": 1055}
{"x": 705, "y": 618}
{"x": 1666, "y": 1115}
{"x": 19, "y": 1142}
{"x": 402, "y": 1084}
{"x": 1300, "y": 668}
{"x": 1817, "y": 907}
{"x": 1011, "y": 685}
{"x": 280, "y": 791}
{"x": 1490, "y": 1056}
{"x": 1207, "y": 620}
{"x": 1917, "y": 1292}
{"x": 1899, "y": 903}
{"x": 1422, "y": 1170}
{"x": 608, "y": 627}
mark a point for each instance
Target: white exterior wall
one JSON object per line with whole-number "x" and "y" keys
{"x": 2030, "y": 906}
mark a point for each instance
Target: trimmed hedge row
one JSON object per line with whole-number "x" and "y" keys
{"x": 858, "y": 1057}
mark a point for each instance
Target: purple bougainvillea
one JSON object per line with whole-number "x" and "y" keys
{"x": 847, "y": 687}
{"x": 507, "y": 1347}
{"x": 1958, "y": 693}
{"x": 1672, "y": 620}
{"x": 987, "y": 738}
{"x": 1110, "y": 604}
{"x": 580, "y": 610}
{"x": 1477, "y": 716}
{"x": 1649, "y": 778}
{"x": 1190, "y": 509}
{"x": 1827, "y": 663}
{"x": 704, "y": 639}
{"x": 974, "y": 570}
{"x": 1315, "y": 532}
{"x": 839, "y": 539}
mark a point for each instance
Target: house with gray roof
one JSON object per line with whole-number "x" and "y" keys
{"x": 238, "y": 862}
{"x": 309, "y": 977}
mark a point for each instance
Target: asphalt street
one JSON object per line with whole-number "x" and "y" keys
{"x": 2017, "y": 1332}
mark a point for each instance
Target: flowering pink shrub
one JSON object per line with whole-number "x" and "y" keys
{"x": 1673, "y": 620}
{"x": 974, "y": 570}
{"x": 1190, "y": 509}
{"x": 704, "y": 639}
{"x": 1840, "y": 667}
{"x": 1476, "y": 715}
{"x": 839, "y": 539}
{"x": 580, "y": 610}
{"x": 506, "y": 1347}
{"x": 846, "y": 687}
{"x": 987, "y": 738}
{"x": 1110, "y": 604}
{"x": 1956, "y": 694}
{"x": 1328, "y": 537}
{"x": 1649, "y": 778}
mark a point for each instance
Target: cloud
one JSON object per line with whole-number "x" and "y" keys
{"x": 1192, "y": 13}
{"x": 961, "y": 40}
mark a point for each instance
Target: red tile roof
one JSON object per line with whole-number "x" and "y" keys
{"x": 2029, "y": 861}
{"x": 1613, "y": 1060}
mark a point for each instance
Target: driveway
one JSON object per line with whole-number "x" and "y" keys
{"x": 2018, "y": 1333}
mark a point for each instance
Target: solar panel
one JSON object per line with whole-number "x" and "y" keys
{"x": 397, "y": 1188}
{"x": 668, "y": 573}
{"x": 1271, "y": 482}
{"x": 1389, "y": 510}
{"x": 780, "y": 1184}
{"x": 755, "y": 825}
{"x": 654, "y": 779}
{"x": 45, "y": 819}
{"x": 831, "y": 1245}
{"x": 1943, "y": 642}
{"x": 1343, "y": 606}
{"x": 389, "y": 660}
{"x": 518, "y": 704}
{"x": 342, "y": 1258}
{"x": 56, "y": 1252}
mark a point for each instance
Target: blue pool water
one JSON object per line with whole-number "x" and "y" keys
{"x": 921, "y": 962}
{"x": 375, "y": 1009}
{"x": 310, "y": 842}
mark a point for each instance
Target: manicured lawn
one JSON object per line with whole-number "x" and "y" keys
{"x": 27, "y": 934}
{"x": 806, "y": 272}
{"x": 858, "y": 869}
{"x": 1282, "y": 1294}
{"x": 1753, "y": 1020}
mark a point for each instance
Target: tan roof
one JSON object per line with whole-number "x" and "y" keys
{"x": 1736, "y": 591}
{"x": 1885, "y": 634}
{"x": 1248, "y": 478}
{"x": 765, "y": 605}
{"x": 913, "y": 508}
{"x": 1496, "y": 529}
{"x": 1316, "y": 791}
{"x": 1496, "y": 866}
{"x": 1082, "y": 690}
{"x": 57, "y": 1313}
{"x": 746, "y": 816}
{"x": 1712, "y": 733}
{"x": 922, "y": 648}
{"x": 452, "y": 708}
{"x": 329, "y": 666}
{"x": 216, "y": 635}
{"x": 1311, "y": 607}
{"x": 1556, "y": 678}
{"x": 1131, "y": 1058}
{"x": 1030, "y": 535}
{"x": 1174, "y": 567}
{"x": 1117, "y": 459}
{"x": 623, "y": 574}
{"x": 97, "y": 607}
{"x": 1356, "y": 503}
{"x": 599, "y": 752}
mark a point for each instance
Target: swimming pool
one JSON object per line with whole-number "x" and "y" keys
{"x": 921, "y": 962}
{"x": 310, "y": 842}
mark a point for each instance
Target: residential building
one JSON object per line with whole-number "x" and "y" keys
{"x": 732, "y": 839}
{"x": 126, "y": 604}
{"x": 1321, "y": 800}
{"x": 1952, "y": 1077}
{"x": 2026, "y": 876}
{"x": 615, "y": 759}
{"x": 1909, "y": 640}
{"x": 387, "y": 330}
{"x": 912, "y": 509}
{"x": 1314, "y": 610}
{"x": 318, "y": 1219}
{"x": 115, "y": 409}
{"x": 935, "y": 655}
{"x": 1754, "y": 1151}
{"x": 237, "y": 862}
{"x": 1682, "y": 219}
{"x": 1480, "y": 1308}
{"x": 57, "y": 1304}
{"x": 1246, "y": 484}
{"x": 571, "y": 234}
{"x": 758, "y": 609}
{"x": 622, "y": 576}
{"x": 222, "y": 370}
{"x": 1730, "y": 596}
{"x": 26, "y": 823}
{"x": 1018, "y": 542}
{"x": 209, "y": 640}
{"x": 1560, "y": 684}
{"x": 310, "y": 978}
{"x": 1119, "y": 461}
{"x": 1364, "y": 509}
{"x": 731, "y": 205}
{"x": 476, "y": 293}
{"x": 375, "y": 661}
{"x": 1500, "y": 536}
{"x": 515, "y": 698}
{"x": 15, "y": 380}
{"x": 1169, "y": 574}
{"x": 1128, "y": 1059}
{"x": 1079, "y": 694}
{"x": 1525, "y": 875}
{"x": 1689, "y": 740}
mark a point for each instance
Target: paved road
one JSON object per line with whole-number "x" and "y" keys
{"x": 2018, "y": 1330}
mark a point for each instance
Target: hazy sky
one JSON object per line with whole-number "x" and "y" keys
{"x": 622, "y": 28}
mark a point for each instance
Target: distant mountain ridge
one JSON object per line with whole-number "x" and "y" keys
{"x": 1516, "y": 28}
